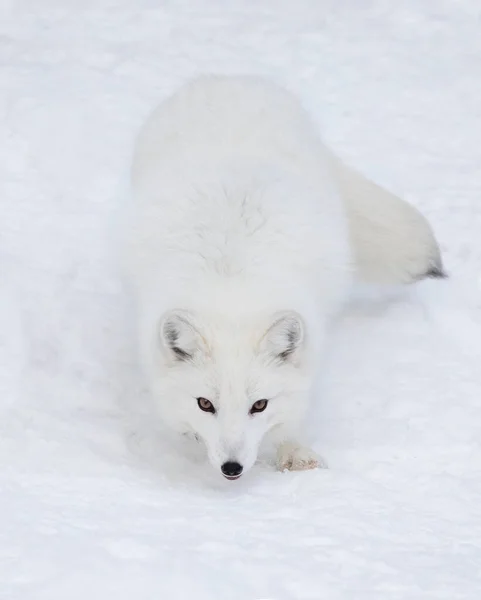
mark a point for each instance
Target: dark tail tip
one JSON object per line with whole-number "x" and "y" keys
{"x": 436, "y": 273}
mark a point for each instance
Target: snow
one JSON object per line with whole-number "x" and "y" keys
{"x": 93, "y": 502}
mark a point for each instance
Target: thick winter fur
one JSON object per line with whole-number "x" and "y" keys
{"x": 392, "y": 242}
{"x": 244, "y": 235}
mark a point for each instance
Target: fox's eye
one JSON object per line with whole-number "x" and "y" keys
{"x": 259, "y": 406}
{"x": 205, "y": 405}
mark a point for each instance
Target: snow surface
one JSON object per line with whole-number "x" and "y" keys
{"x": 93, "y": 503}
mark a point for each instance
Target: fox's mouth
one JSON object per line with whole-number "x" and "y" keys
{"x": 232, "y": 477}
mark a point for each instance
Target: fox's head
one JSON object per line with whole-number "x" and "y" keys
{"x": 231, "y": 383}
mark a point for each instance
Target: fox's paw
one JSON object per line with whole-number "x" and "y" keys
{"x": 292, "y": 457}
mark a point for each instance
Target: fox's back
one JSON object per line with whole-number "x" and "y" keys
{"x": 229, "y": 184}
{"x": 216, "y": 118}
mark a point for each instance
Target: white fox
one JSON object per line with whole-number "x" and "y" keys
{"x": 244, "y": 235}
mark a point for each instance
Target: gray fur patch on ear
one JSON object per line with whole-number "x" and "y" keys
{"x": 171, "y": 336}
{"x": 292, "y": 338}
{"x": 179, "y": 335}
{"x": 285, "y": 336}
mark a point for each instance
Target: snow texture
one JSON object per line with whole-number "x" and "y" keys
{"x": 94, "y": 502}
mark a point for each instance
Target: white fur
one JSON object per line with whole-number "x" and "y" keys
{"x": 392, "y": 242}
{"x": 239, "y": 250}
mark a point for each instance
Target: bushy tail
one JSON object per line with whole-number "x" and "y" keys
{"x": 393, "y": 243}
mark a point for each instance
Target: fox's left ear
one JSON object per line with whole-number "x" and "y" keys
{"x": 284, "y": 336}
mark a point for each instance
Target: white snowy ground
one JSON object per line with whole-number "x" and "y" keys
{"x": 92, "y": 504}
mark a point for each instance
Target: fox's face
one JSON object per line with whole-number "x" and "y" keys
{"x": 230, "y": 384}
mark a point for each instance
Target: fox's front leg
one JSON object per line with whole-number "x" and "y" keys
{"x": 294, "y": 456}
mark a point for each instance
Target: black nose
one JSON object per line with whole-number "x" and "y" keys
{"x": 231, "y": 470}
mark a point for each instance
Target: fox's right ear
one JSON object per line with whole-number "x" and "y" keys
{"x": 181, "y": 337}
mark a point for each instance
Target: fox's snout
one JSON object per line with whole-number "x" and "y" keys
{"x": 232, "y": 460}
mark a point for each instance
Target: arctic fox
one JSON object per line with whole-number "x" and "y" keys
{"x": 244, "y": 236}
